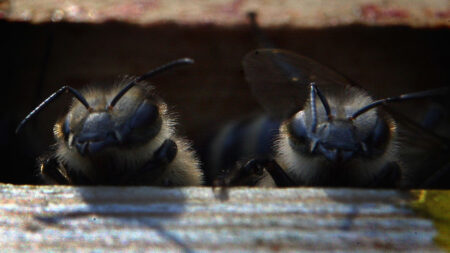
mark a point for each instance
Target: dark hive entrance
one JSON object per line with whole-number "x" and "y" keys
{"x": 41, "y": 58}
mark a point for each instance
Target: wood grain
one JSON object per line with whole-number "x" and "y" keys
{"x": 114, "y": 219}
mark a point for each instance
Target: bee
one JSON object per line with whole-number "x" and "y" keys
{"x": 331, "y": 132}
{"x": 119, "y": 136}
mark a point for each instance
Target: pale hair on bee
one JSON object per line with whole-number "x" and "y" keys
{"x": 123, "y": 135}
{"x": 334, "y": 135}
{"x": 317, "y": 163}
{"x": 330, "y": 131}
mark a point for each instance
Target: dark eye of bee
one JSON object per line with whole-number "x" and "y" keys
{"x": 143, "y": 125}
{"x": 144, "y": 116}
{"x": 298, "y": 133}
{"x": 66, "y": 128}
{"x": 379, "y": 138}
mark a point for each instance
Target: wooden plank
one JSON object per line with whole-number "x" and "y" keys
{"x": 114, "y": 219}
{"x": 306, "y": 13}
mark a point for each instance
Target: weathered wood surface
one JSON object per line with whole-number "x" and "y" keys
{"x": 306, "y": 13}
{"x": 108, "y": 219}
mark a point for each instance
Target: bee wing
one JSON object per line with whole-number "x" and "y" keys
{"x": 423, "y": 152}
{"x": 280, "y": 79}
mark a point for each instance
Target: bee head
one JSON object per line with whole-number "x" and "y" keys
{"x": 109, "y": 118}
{"x": 337, "y": 138}
{"x": 135, "y": 120}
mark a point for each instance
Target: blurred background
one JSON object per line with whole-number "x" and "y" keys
{"x": 389, "y": 47}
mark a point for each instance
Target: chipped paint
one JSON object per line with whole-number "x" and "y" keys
{"x": 305, "y": 13}
{"x": 436, "y": 205}
{"x": 377, "y": 13}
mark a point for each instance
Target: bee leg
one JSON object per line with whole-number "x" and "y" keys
{"x": 167, "y": 182}
{"x": 165, "y": 154}
{"x": 242, "y": 175}
{"x": 161, "y": 158}
{"x": 249, "y": 174}
{"x": 54, "y": 172}
{"x": 50, "y": 171}
{"x": 439, "y": 180}
{"x": 388, "y": 177}
{"x": 279, "y": 176}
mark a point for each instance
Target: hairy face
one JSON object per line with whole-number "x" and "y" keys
{"x": 340, "y": 139}
{"x": 133, "y": 121}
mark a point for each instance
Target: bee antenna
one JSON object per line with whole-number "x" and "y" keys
{"x": 403, "y": 97}
{"x": 49, "y": 100}
{"x": 324, "y": 101}
{"x": 312, "y": 100}
{"x": 153, "y": 72}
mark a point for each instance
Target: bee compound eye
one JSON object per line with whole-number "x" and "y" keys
{"x": 66, "y": 127}
{"x": 380, "y": 134}
{"x": 145, "y": 115}
{"x": 297, "y": 130}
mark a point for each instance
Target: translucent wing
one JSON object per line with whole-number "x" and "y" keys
{"x": 424, "y": 153}
{"x": 280, "y": 79}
